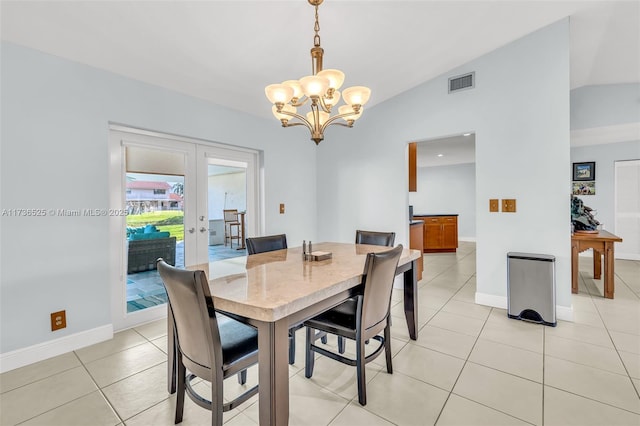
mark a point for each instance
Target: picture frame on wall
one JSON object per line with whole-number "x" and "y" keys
{"x": 584, "y": 188}
{"x": 584, "y": 171}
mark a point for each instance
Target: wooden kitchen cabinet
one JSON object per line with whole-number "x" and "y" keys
{"x": 440, "y": 233}
{"x": 413, "y": 167}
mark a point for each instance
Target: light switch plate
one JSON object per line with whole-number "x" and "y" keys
{"x": 494, "y": 205}
{"x": 509, "y": 205}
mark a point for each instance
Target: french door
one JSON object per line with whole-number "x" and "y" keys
{"x": 162, "y": 183}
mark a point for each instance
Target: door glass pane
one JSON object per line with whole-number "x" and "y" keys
{"x": 226, "y": 190}
{"x": 155, "y": 228}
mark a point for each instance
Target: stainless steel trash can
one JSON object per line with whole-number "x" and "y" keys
{"x": 531, "y": 287}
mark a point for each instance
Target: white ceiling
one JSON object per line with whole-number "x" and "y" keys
{"x": 228, "y": 51}
{"x": 447, "y": 151}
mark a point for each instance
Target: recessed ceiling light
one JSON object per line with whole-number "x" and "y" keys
{"x": 466, "y": 134}
{"x": 440, "y": 155}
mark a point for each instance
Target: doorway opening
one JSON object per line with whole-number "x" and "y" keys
{"x": 226, "y": 191}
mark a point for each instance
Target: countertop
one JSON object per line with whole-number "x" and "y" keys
{"x": 434, "y": 215}
{"x": 416, "y": 222}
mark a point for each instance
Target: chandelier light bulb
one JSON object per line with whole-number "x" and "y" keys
{"x": 345, "y": 109}
{"x": 286, "y": 107}
{"x": 314, "y": 86}
{"x": 336, "y": 78}
{"x": 335, "y": 98}
{"x": 356, "y": 95}
{"x": 295, "y": 85}
{"x": 278, "y": 93}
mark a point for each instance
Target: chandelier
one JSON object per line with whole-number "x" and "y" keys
{"x": 321, "y": 91}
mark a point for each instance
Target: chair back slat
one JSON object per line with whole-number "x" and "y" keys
{"x": 375, "y": 238}
{"x": 379, "y": 271}
{"x": 230, "y": 215}
{"x": 257, "y": 245}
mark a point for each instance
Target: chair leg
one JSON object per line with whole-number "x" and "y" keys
{"x": 217, "y": 403}
{"x": 292, "y": 347}
{"x": 308, "y": 353}
{"x": 341, "y": 344}
{"x": 181, "y": 373}
{"x": 242, "y": 377}
{"x": 387, "y": 347}
{"x": 323, "y": 339}
{"x": 360, "y": 373}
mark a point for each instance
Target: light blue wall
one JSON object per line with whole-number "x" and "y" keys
{"x": 55, "y": 123}
{"x": 448, "y": 189}
{"x": 605, "y": 105}
{"x": 519, "y": 111}
{"x": 605, "y": 157}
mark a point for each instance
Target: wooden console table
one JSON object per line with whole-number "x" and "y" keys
{"x": 602, "y": 244}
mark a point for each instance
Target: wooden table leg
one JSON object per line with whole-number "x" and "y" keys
{"x": 609, "y": 277}
{"x": 597, "y": 264}
{"x": 411, "y": 299}
{"x": 574, "y": 266}
{"x": 273, "y": 367}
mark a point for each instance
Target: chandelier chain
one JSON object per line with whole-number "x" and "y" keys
{"x": 316, "y": 28}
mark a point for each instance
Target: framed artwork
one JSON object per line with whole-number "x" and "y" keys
{"x": 584, "y": 188}
{"x": 584, "y": 171}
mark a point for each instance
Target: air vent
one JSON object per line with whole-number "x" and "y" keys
{"x": 462, "y": 82}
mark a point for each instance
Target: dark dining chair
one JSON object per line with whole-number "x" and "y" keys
{"x": 257, "y": 245}
{"x": 210, "y": 346}
{"x": 360, "y": 318}
{"x": 375, "y": 238}
{"x": 265, "y": 244}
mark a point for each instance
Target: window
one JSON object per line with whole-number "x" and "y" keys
{"x": 159, "y": 191}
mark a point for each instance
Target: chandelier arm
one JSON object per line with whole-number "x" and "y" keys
{"x": 324, "y": 106}
{"x": 341, "y": 124}
{"x": 301, "y": 101}
{"x": 299, "y": 117}
{"x": 334, "y": 118}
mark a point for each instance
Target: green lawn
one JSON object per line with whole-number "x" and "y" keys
{"x": 166, "y": 220}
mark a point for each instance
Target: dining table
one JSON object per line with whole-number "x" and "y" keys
{"x": 275, "y": 290}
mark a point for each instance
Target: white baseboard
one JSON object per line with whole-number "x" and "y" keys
{"x": 29, "y": 355}
{"x": 564, "y": 313}
{"x": 627, "y": 256}
{"x": 467, "y": 239}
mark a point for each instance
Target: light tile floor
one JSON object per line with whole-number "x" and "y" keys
{"x": 471, "y": 365}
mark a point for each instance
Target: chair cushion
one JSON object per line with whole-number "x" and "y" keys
{"x": 238, "y": 340}
{"x": 339, "y": 320}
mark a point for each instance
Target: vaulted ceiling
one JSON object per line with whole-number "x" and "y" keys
{"x": 228, "y": 51}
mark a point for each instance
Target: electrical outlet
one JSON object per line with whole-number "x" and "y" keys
{"x": 494, "y": 205}
{"x": 281, "y": 208}
{"x": 58, "y": 320}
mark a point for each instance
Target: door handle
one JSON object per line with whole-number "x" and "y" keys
{"x": 192, "y": 230}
